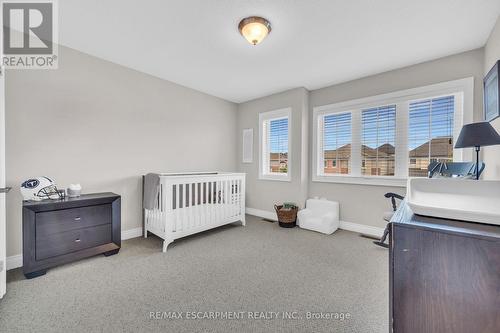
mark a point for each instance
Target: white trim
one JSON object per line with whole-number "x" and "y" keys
{"x": 362, "y": 228}
{"x": 14, "y": 261}
{"x": 3, "y": 228}
{"x": 463, "y": 89}
{"x": 374, "y": 180}
{"x": 271, "y": 115}
{"x": 344, "y": 225}
{"x": 132, "y": 233}
{"x": 262, "y": 213}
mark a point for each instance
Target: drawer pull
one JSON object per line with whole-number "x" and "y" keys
{"x": 78, "y": 218}
{"x": 77, "y": 240}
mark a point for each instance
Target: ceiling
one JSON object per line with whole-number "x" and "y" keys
{"x": 313, "y": 43}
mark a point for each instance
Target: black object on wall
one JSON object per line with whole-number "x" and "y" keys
{"x": 57, "y": 232}
{"x": 477, "y": 135}
{"x": 491, "y": 90}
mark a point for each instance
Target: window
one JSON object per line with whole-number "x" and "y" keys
{"x": 430, "y": 133}
{"x": 378, "y": 145}
{"x": 336, "y": 143}
{"x": 382, "y": 140}
{"x": 275, "y": 145}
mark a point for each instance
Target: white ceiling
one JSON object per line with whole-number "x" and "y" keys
{"x": 314, "y": 43}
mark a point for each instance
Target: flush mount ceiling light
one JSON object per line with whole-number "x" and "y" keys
{"x": 254, "y": 29}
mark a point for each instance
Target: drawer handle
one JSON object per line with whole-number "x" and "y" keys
{"x": 78, "y": 218}
{"x": 77, "y": 240}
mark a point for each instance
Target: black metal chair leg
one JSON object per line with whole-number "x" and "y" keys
{"x": 381, "y": 241}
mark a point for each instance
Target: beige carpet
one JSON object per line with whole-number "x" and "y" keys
{"x": 232, "y": 279}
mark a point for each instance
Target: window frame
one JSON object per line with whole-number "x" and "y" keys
{"x": 268, "y": 116}
{"x": 462, "y": 89}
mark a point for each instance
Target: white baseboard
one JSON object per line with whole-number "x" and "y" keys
{"x": 362, "y": 228}
{"x": 132, "y": 233}
{"x": 344, "y": 225}
{"x": 16, "y": 261}
{"x": 261, "y": 213}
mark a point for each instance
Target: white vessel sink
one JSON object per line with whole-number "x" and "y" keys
{"x": 458, "y": 199}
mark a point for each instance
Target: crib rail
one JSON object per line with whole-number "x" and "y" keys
{"x": 191, "y": 203}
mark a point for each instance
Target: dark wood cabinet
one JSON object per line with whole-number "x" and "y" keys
{"x": 61, "y": 231}
{"x": 444, "y": 276}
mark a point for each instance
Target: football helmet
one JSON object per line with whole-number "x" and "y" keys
{"x": 40, "y": 188}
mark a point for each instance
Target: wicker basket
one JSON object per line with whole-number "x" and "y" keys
{"x": 286, "y": 217}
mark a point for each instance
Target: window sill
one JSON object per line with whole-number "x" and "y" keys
{"x": 275, "y": 178}
{"x": 374, "y": 181}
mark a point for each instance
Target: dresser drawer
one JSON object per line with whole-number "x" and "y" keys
{"x": 57, "y": 221}
{"x": 70, "y": 241}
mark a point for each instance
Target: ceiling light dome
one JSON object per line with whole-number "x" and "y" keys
{"x": 254, "y": 29}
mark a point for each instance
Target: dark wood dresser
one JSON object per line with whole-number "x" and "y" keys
{"x": 56, "y": 232}
{"x": 444, "y": 275}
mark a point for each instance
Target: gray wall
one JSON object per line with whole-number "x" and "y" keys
{"x": 103, "y": 125}
{"x": 362, "y": 204}
{"x": 365, "y": 204}
{"x": 491, "y": 56}
{"x": 262, "y": 194}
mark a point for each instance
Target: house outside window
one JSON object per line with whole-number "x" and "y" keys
{"x": 336, "y": 143}
{"x": 385, "y": 139}
{"x": 274, "y": 147}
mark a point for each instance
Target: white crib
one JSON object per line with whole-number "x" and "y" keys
{"x": 194, "y": 202}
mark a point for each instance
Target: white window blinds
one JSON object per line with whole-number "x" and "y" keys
{"x": 378, "y": 132}
{"x": 275, "y": 144}
{"x": 430, "y": 133}
{"x": 278, "y": 145}
{"x": 387, "y": 138}
{"x": 335, "y": 143}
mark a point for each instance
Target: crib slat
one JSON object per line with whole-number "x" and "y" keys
{"x": 233, "y": 187}
{"x": 167, "y": 201}
{"x": 223, "y": 200}
{"x": 224, "y": 203}
{"x": 191, "y": 205}
{"x": 228, "y": 199}
{"x": 238, "y": 198}
{"x": 235, "y": 197}
{"x": 182, "y": 206}
{"x": 214, "y": 206}
{"x": 234, "y": 194}
{"x": 185, "y": 208}
{"x": 187, "y": 211}
{"x": 242, "y": 198}
{"x": 211, "y": 207}
{"x": 196, "y": 205}
{"x": 177, "y": 206}
{"x": 200, "y": 201}
{"x": 205, "y": 205}
{"x": 219, "y": 200}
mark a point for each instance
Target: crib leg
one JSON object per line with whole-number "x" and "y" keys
{"x": 243, "y": 221}
{"x": 165, "y": 244}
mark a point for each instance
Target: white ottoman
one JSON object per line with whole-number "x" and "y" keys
{"x": 320, "y": 215}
